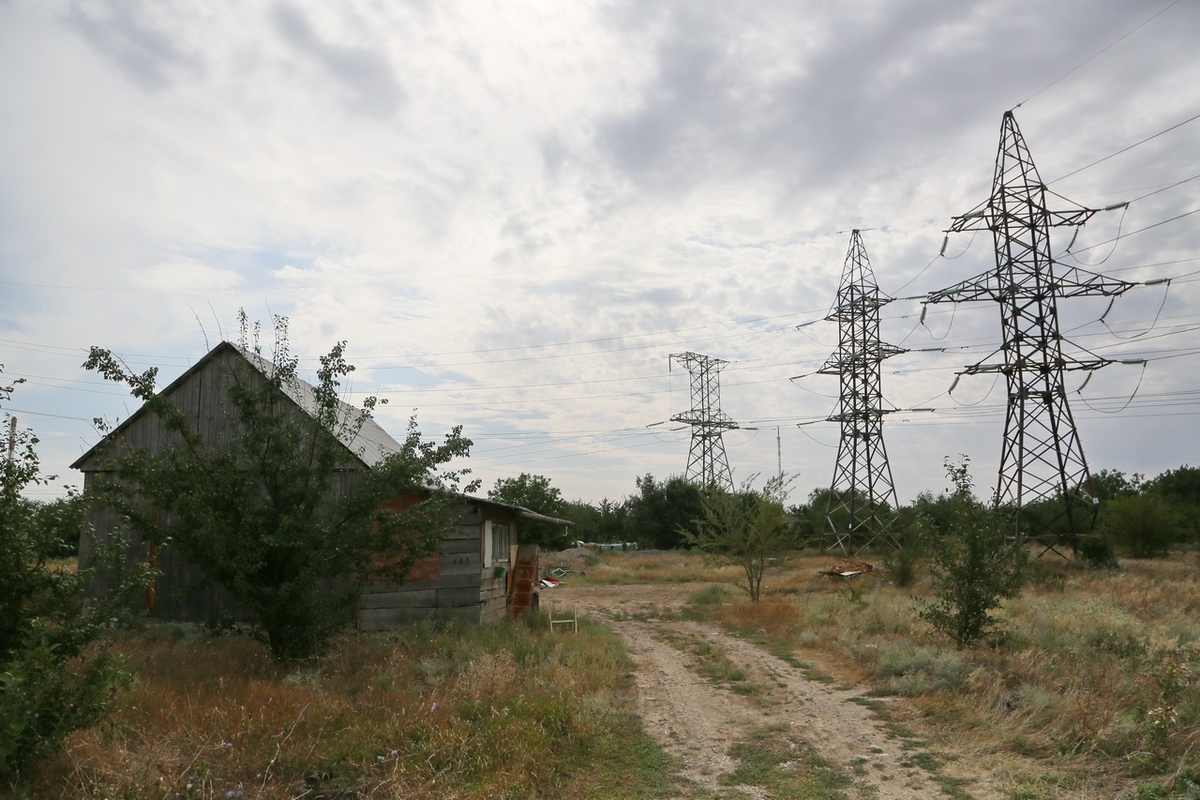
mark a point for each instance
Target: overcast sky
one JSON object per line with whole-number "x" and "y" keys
{"x": 515, "y": 212}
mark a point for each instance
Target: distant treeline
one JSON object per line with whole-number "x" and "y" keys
{"x": 1141, "y": 517}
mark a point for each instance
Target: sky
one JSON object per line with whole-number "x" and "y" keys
{"x": 514, "y": 213}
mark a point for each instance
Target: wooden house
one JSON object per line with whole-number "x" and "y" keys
{"x": 466, "y": 579}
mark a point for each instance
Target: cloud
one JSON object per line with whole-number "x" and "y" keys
{"x": 186, "y": 275}
{"x": 515, "y": 212}
{"x": 374, "y": 89}
{"x": 126, "y": 33}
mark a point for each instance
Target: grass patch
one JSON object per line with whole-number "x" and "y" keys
{"x": 786, "y": 769}
{"x": 625, "y": 569}
{"x": 710, "y": 661}
{"x": 497, "y": 711}
{"x": 1099, "y": 669}
{"x": 715, "y": 594}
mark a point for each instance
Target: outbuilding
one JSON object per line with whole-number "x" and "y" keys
{"x": 467, "y": 579}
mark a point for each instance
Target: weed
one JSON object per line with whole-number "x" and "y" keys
{"x": 504, "y": 710}
{"x": 785, "y": 769}
{"x": 710, "y": 595}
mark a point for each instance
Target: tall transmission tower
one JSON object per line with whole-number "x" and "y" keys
{"x": 707, "y": 463}
{"x": 1043, "y": 473}
{"x": 862, "y": 498}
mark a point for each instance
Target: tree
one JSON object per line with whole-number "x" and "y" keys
{"x": 975, "y": 567}
{"x": 1142, "y": 525}
{"x": 535, "y": 493}
{"x": 1181, "y": 489}
{"x": 604, "y": 522}
{"x": 809, "y": 518}
{"x": 254, "y": 508}
{"x": 54, "y": 678}
{"x": 747, "y": 528}
{"x": 656, "y": 514}
{"x": 1108, "y": 484}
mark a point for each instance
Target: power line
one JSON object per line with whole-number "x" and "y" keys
{"x": 1130, "y": 147}
{"x": 1100, "y": 52}
{"x": 1131, "y": 233}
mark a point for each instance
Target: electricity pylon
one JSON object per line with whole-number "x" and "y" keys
{"x": 1043, "y": 474}
{"x": 707, "y": 463}
{"x": 862, "y": 498}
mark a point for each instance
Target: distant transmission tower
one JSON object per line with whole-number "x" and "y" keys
{"x": 707, "y": 463}
{"x": 862, "y": 499}
{"x": 1043, "y": 474}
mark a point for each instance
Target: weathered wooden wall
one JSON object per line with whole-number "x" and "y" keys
{"x": 464, "y": 588}
{"x": 454, "y": 584}
{"x": 178, "y": 594}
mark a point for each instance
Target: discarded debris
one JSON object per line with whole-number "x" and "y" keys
{"x": 849, "y": 569}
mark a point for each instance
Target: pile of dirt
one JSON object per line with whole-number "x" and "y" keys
{"x": 568, "y": 555}
{"x": 574, "y": 560}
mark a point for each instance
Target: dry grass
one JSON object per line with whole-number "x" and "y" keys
{"x": 1095, "y": 689}
{"x": 1098, "y": 673}
{"x": 624, "y": 569}
{"x": 472, "y": 712}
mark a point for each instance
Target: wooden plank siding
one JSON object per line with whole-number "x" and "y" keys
{"x": 453, "y": 594}
{"x": 456, "y": 583}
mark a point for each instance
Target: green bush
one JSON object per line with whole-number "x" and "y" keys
{"x": 977, "y": 566}
{"x": 1142, "y": 526}
{"x": 710, "y": 596}
{"x": 911, "y": 670}
{"x": 903, "y": 562}
{"x": 54, "y": 678}
{"x": 1097, "y": 551}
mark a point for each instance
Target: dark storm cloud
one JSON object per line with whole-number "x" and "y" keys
{"x": 121, "y": 32}
{"x": 366, "y": 73}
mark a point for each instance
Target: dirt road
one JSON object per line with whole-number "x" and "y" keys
{"x": 702, "y": 690}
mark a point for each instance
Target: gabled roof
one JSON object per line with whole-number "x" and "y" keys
{"x": 370, "y": 444}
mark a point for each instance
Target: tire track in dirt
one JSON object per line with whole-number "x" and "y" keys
{"x": 698, "y": 721}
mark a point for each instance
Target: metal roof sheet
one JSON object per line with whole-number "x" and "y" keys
{"x": 370, "y": 444}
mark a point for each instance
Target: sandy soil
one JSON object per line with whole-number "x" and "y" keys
{"x": 698, "y": 720}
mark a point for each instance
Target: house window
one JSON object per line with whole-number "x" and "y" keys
{"x": 501, "y": 539}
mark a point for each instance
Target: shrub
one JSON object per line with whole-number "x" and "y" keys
{"x": 53, "y": 678}
{"x": 912, "y": 670}
{"x": 903, "y": 562}
{"x": 1142, "y": 526}
{"x": 1097, "y": 551}
{"x": 977, "y": 566}
{"x": 709, "y": 596}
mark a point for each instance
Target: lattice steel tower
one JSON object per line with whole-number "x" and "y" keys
{"x": 862, "y": 499}
{"x": 707, "y": 463}
{"x": 1043, "y": 473}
